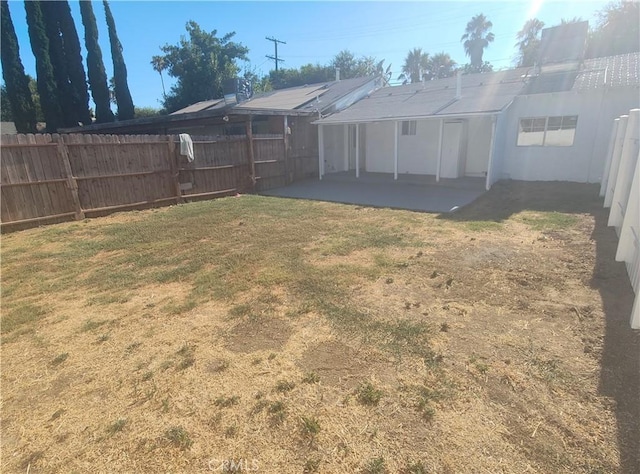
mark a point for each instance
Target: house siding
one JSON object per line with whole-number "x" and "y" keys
{"x": 581, "y": 162}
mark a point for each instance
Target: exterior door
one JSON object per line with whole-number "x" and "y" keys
{"x": 361, "y": 146}
{"x": 451, "y": 146}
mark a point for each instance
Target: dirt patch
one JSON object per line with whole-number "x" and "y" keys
{"x": 335, "y": 363}
{"x": 264, "y": 334}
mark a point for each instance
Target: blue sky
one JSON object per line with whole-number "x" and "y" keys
{"x": 314, "y": 31}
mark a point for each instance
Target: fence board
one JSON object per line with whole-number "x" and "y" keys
{"x": 107, "y": 173}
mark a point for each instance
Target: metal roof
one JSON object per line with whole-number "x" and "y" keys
{"x": 480, "y": 93}
{"x": 622, "y": 70}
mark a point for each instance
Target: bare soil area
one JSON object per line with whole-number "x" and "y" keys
{"x": 257, "y": 334}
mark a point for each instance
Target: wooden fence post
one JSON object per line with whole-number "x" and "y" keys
{"x": 173, "y": 167}
{"x": 285, "y": 137}
{"x": 63, "y": 153}
{"x": 252, "y": 161}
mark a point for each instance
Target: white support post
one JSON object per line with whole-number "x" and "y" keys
{"x": 395, "y": 150}
{"x": 346, "y": 147}
{"x": 357, "y": 150}
{"x": 494, "y": 119}
{"x": 439, "y": 162}
{"x": 320, "y": 150}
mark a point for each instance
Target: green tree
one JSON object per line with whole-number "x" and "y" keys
{"x": 35, "y": 96}
{"x": 258, "y": 84}
{"x": 6, "y": 114}
{"x": 307, "y": 74}
{"x": 529, "y": 42}
{"x": 441, "y": 65}
{"x": 148, "y": 112}
{"x": 351, "y": 67}
{"x": 346, "y": 62}
{"x": 59, "y": 64}
{"x": 415, "y": 66}
{"x": 95, "y": 66}
{"x": 16, "y": 96}
{"x": 73, "y": 59}
{"x": 44, "y": 70}
{"x": 201, "y": 64}
{"x": 121, "y": 87}
{"x": 476, "y": 39}
{"x": 617, "y": 30}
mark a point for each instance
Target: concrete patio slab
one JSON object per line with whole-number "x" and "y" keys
{"x": 415, "y": 193}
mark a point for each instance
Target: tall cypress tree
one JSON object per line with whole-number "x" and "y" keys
{"x": 46, "y": 80}
{"x": 16, "y": 81}
{"x": 95, "y": 66}
{"x": 73, "y": 58}
{"x": 58, "y": 63}
{"x": 123, "y": 96}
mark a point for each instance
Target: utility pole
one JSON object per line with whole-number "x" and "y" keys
{"x": 275, "y": 43}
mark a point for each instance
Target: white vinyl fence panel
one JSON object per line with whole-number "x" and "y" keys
{"x": 622, "y": 172}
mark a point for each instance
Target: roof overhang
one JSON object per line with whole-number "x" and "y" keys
{"x": 410, "y": 117}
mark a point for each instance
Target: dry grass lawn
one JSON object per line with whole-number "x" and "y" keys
{"x": 256, "y": 334}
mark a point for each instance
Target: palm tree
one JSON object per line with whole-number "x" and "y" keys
{"x": 158, "y": 65}
{"x": 441, "y": 65}
{"x": 529, "y": 42}
{"x": 476, "y": 38}
{"x": 415, "y": 64}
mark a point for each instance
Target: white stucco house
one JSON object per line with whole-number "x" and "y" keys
{"x": 446, "y": 128}
{"x": 542, "y": 123}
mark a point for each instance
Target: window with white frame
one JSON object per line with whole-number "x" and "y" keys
{"x": 409, "y": 127}
{"x": 547, "y": 131}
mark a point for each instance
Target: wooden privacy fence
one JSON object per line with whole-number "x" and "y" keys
{"x": 49, "y": 178}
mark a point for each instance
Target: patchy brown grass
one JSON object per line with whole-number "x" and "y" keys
{"x": 294, "y": 336}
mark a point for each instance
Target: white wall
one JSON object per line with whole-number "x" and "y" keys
{"x": 334, "y": 148}
{"x": 418, "y": 154}
{"x": 478, "y": 146}
{"x": 582, "y": 162}
{"x": 379, "y": 150}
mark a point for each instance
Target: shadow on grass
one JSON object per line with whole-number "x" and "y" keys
{"x": 620, "y": 361}
{"x": 511, "y": 197}
{"x": 620, "y": 364}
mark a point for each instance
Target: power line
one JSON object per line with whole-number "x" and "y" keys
{"x": 275, "y": 43}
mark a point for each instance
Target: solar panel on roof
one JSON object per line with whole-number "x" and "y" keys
{"x": 285, "y": 99}
{"x": 198, "y": 107}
